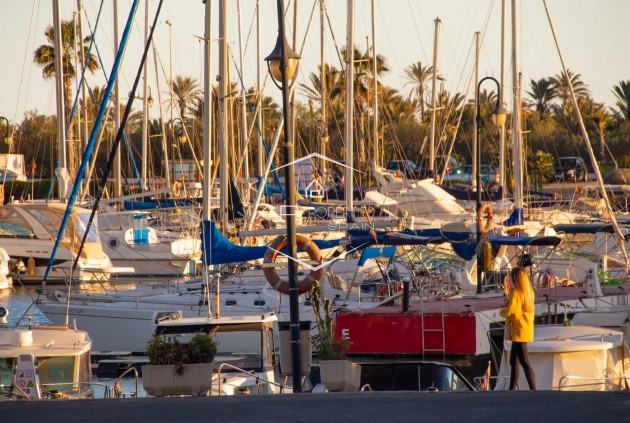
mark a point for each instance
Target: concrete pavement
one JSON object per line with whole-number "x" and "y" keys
{"x": 461, "y": 407}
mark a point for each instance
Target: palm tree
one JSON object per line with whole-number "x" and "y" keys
{"x": 622, "y": 92}
{"x": 185, "y": 93}
{"x": 561, "y": 84}
{"x": 542, "y": 93}
{"x": 418, "y": 76}
{"x": 45, "y": 55}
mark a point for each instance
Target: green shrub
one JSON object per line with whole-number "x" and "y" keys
{"x": 200, "y": 349}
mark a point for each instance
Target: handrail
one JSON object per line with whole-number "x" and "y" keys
{"x": 604, "y": 381}
{"x": 366, "y": 387}
{"x": 117, "y": 391}
{"x": 258, "y": 378}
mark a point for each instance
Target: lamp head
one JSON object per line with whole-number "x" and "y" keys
{"x": 499, "y": 115}
{"x": 150, "y": 100}
{"x": 274, "y": 60}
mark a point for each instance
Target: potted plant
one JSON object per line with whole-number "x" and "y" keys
{"x": 336, "y": 371}
{"x": 179, "y": 368}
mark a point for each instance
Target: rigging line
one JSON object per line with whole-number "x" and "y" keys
{"x": 88, "y": 150}
{"x": 119, "y": 135}
{"x": 179, "y": 112}
{"x": 415, "y": 24}
{"x": 17, "y": 101}
{"x": 85, "y": 68}
{"x": 332, "y": 34}
{"x": 589, "y": 147}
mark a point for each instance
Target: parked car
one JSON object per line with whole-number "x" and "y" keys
{"x": 406, "y": 168}
{"x": 438, "y": 167}
{"x": 465, "y": 174}
{"x": 569, "y": 169}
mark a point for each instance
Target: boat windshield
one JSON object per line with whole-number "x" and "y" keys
{"x": 81, "y": 224}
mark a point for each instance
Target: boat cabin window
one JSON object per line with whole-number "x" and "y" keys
{"x": 81, "y": 224}
{"x": 13, "y": 225}
{"x": 6, "y": 372}
{"x": 56, "y": 370}
{"x": 48, "y": 219}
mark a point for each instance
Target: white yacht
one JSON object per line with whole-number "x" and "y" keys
{"x": 42, "y": 361}
{"x": 129, "y": 240}
{"x": 28, "y": 232}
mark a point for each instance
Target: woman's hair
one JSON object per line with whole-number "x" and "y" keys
{"x": 521, "y": 286}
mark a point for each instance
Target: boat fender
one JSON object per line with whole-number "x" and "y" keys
{"x": 487, "y": 256}
{"x": 177, "y": 189}
{"x": 303, "y": 243}
{"x": 30, "y": 266}
{"x": 484, "y": 209}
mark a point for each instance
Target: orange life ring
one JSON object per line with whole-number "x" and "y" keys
{"x": 485, "y": 208}
{"x": 177, "y": 189}
{"x": 304, "y": 244}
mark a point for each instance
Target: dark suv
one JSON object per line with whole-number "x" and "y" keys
{"x": 438, "y": 166}
{"x": 405, "y": 168}
{"x": 571, "y": 169}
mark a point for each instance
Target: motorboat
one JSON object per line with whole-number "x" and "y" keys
{"x": 244, "y": 360}
{"x": 129, "y": 240}
{"x": 575, "y": 358}
{"x": 44, "y": 361}
{"x": 6, "y": 281}
{"x": 29, "y": 231}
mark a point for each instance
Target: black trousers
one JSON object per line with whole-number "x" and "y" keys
{"x": 519, "y": 353}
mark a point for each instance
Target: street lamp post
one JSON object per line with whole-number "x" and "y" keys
{"x": 498, "y": 117}
{"x": 282, "y": 63}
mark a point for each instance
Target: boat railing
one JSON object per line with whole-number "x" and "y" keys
{"x": 248, "y": 373}
{"x": 613, "y": 383}
{"x": 365, "y": 387}
{"x": 117, "y": 392}
{"x": 544, "y": 281}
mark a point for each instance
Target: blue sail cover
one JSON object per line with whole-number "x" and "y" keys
{"x": 515, "y": 218}
{"x": 374, "y": 252}
{"x": 222, "y": 250}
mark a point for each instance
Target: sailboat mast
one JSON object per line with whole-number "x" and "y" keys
{"x": 61, "y": 115}
{"x": 377, "y": 152}
{"x": 244, "y": 132}
{"x": 117, "y": 162}
{"x": 81, "y": 49}
{"x": 475, "y": 153}
{"x": 516, "y": 114}
{"x": 145, "y": 106}
{"x": 349, "y": 108}
{"x": 436, "y": 40}
{"x": 223, "y": 110}
{"x": 502, "y": 171}
{"x": 259, "y": 135}
{"x": 322, "y": 79}
{"x": 167, "y": 172}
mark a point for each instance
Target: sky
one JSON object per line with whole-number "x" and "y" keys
{"x": 593, "y": 38}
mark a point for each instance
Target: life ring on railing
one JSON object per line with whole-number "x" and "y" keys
{"x": 305, "y": 244}
{"x": 177, "y": 189}
{"x": 485, "y": 208}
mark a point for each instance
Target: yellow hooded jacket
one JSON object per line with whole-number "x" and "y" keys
{"x": 519, "y": 322}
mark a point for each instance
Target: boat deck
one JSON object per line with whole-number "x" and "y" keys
{"x": 455, "y": 326}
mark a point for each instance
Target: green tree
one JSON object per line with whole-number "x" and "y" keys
{"x": 541, "y": 168}
{"x": 185, "y": 93}
{"x": 542, "y": 93}
{"x": 45, "y": 55}
{"x": 418, "y": 76}
{"x": 622, "y": 92}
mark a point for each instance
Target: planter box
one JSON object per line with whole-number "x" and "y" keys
{"x": 159, "y": 381}
{"x": 340, "y": 375}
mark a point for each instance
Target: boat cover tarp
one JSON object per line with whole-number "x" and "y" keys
{"x": 375, "y": 252}
{"x": 550, "y": 241}
{"x": 223, "y": 251}
{"x": 583, "y": 228}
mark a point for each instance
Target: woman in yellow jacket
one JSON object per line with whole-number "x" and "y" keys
{"x": 519, "y": 323}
